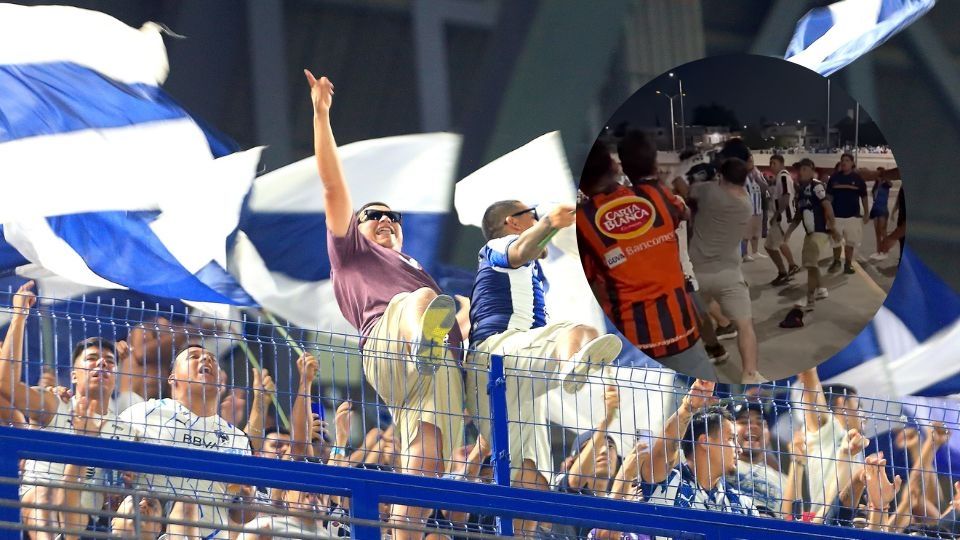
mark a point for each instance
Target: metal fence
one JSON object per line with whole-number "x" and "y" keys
{"x": 243, "y": 426}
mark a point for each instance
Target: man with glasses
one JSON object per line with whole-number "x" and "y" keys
{"x": 509, "y": 317}
{"x": 405, "y": 323}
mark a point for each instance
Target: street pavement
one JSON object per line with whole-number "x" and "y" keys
{"x": 853, "y": 301}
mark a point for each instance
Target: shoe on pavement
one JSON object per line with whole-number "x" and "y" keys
{"x": 821, "y": 293}
{"x": 761, "y": 255}
{"x": 794, "y": 319}
{"x": 596, "y": 354}
{"x": 878, "y": 256}
{"x": 806, "y": 304}
{"x": 793, "y": 270}
{"x": 718, "y": 355}
{"x": 748, "y": 258}
{"x": 834, "y": 266}
{"x": 848, "y": 270}
{"x": 727, "y": 332}
{"x": 752, "y": 378}
{"x": 781, "y": 279}
{"x": 435, "y": 323}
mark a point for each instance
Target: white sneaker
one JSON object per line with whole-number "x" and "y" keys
{"x": 748, "y": 258}
{"x": 821, "y": 293}
{"x": 755, "y": 378}
{"x": 435, "y": 323}
{"x": 878, "y": 256}
{"x": 591, "y": 358}
{"x": 805, "y": 304}
{"x": 761, "y": 255}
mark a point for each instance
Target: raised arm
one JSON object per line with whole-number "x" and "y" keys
{"x": 665, "y": 453}
{"x": 35, "y": 403}
{"x": 263, "y": 386}
{"x": 336, "y": 195}
{"x": 300, "y": 421}
{"x": 583, "y": 465}
{"x": 793, "y": 491}
{"x": 527, "y": 247}
{"x": 343, "y": 420}
{"x": 814, "y": 402}
{"x": 85, "y": 421}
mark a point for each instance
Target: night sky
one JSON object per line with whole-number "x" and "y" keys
{"x": 752, "y": 86}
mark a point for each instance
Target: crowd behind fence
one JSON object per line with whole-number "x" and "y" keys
{"x": 250, "y": 385}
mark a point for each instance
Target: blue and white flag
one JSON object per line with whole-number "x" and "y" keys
{"x": 280, "y": 253}
{"x": 107, "y": 181}
{"x": 828, "y": 38}
{"x": 910, "y": 346}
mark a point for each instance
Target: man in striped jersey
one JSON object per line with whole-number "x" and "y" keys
{"x": 93, "y": 376}
{"x": 710, "y": 452}
{"x": 508, "y": 316}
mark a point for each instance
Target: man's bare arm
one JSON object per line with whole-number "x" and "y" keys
{"x": 336, "y": 194}
{"x": 665, "y": 453}
{"x": 33, "y": 402}
{"x": 528, "y": 247}
{"x": 814, "y": 402}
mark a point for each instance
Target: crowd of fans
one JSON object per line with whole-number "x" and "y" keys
{"x": 161, "y": 386}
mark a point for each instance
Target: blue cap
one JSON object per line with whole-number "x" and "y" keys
{"x": 582, "y": 439}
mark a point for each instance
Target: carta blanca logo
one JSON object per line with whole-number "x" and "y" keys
{"x": 615, "y": 257}
{"x": 625, "y": 217}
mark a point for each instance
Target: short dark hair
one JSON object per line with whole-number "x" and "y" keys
{"x": 188, "y": 345}
{"x": 99, "y": 342}
{"x": 833, "y": 391}
{"x": 638, "y": 155}
{"x": 704, "y": 422}
{"x": 598, "y": 163}
{"x": 846, "y": 155}
{"x": 278, "y": 431}
{"x": 735, "y": 148}
{"x": 777, "y": 157}
{"x": 494, "y": 217}
{"x": 369, "y": 204}
{"x": 807, "y": 162}
{"x": 734, "y": 170}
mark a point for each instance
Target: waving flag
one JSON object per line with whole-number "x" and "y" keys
{"x": 280, "y": 254}
{"x": 107, "y": 180}
{"x": 829, "y": 38}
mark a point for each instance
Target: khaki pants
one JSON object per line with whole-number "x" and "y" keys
{"x": 528, "y": 377}
{"x": 411, "y": 396}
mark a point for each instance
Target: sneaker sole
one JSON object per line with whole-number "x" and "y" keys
{"x": 728, "y": 336}
{"x": 593, "y": 357}
{"x": 720, "y": 360}
{"x": 435, "y": 324}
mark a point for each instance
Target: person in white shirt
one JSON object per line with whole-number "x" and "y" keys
{"x": 93, "y": 376}
{"x": 828, "y": 417}
{"x": 190, "y": 420}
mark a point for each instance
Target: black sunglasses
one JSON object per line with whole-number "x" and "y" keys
{"x": 377, "y": 215}
{"x": 536, "y": 217}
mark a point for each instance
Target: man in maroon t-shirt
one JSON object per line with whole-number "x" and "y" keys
{"x": 405, "y": 322}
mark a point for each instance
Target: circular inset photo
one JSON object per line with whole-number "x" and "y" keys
{"x": 740, "y": 219}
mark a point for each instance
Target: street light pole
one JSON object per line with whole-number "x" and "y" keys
{"x": 828, "y": 115}
{"x": 673, "y": 131}
{"x": 683, "y": 120}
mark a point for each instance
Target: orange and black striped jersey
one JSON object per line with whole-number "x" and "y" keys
{"x": 631, "y": 256}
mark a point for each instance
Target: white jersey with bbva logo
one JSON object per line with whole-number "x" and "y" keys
{"x": 505, "y": 298}
{"x": 169, "y": 423}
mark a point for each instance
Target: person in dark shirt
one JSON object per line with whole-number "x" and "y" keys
{"x": 900, "y": 233}
{"x": 848, "y": 195}
{"x": 815, "y": 212}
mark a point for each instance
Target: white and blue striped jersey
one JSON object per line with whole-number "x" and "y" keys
{"x": 169, "y": 423}
{"x": 682, "y": 490}
{"x": 505, "y": 298}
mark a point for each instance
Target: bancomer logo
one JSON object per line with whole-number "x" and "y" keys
{"x": 626, "y": 217}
